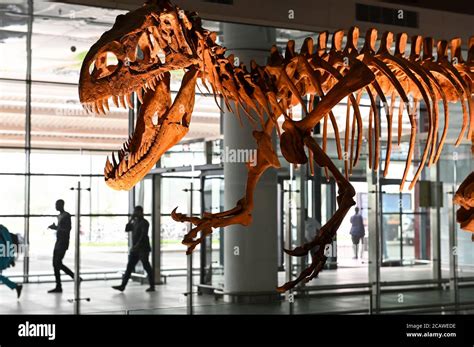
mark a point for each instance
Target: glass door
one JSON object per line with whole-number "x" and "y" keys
{"x": 405, "y": 233}
{"x": 212, "y": 256}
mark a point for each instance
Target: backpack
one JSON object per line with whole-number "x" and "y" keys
{"x": 6, "y": 241}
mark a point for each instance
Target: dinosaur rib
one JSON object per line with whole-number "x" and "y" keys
{"x": 401, "y": 106}
{"x": 411, "y": 147}
{"x": 346, "y": 139}
{"x": 371, "y": 114}
{"x": 389, "y": 136}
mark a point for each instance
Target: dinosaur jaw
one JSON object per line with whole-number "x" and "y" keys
{"x": 160, "y": 125}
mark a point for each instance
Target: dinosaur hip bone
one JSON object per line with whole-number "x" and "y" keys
{"x": 465, "y": 198}
{"x": 158, "y": 38}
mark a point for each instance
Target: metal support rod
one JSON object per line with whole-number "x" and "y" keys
{"x": 29, "y": 33}
{"x": 189, "y": 294}
{"x": 288, "y": 258}
{"x": 302, "y": 215}
{"x": 436, "y": 239}
{"x": 156, "y": 218}
{"x": 77, "y": 255}
{"x": 400, "y": 221}
{"x": 453, "y": 263}
{"x": 379, "y": 232}
{"x": 189, "y": 291}
{"x": 131, "y": 192}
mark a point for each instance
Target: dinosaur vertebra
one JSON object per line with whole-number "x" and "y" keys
{"x": 138, "y": 38}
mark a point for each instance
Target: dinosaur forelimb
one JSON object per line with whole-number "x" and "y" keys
{"x": 242, "y": 213}
{"x": 327, "y": 232}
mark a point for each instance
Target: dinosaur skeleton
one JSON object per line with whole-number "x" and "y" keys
{"x": 142, "y": 38}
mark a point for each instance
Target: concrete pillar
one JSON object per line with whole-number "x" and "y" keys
{"x": 374, "y": 232}
{"x": 250, "y": 253}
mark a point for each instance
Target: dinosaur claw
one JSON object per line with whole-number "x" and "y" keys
{"x": 176, "y": 216}
{"x": 192, "y": 246}
{"x": 297, "y": 252}
{"x": 287, "y": 286}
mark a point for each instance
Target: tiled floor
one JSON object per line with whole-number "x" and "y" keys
{"x": 169, "y": 298}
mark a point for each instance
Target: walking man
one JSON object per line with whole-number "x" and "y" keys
{"x": 63, "y": 230}
{"x": 140, "y": 250}
{"x": 357, "y": 231}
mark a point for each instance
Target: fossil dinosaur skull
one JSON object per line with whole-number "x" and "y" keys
{"x": 137, "y": 55}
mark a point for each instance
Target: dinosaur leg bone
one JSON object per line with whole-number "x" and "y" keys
{"x": 327, "y": 232}
{"x": 242, "y": 213}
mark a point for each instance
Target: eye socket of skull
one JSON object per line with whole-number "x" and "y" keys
{"x": 105, "y": 64}
{"x": 106, "y": 61}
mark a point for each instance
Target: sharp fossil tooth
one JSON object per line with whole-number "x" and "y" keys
{"x": 129, "y": 101}
{"x": 106, "y": 104}
{"x": 152, "y": 84}
{"x": 114, "y": 160}
{"x": 122, "y": 101}
{"x": 95, "y": 107}
{"x": 108, "y": 165}
{"x": 115, "y": 101}
{"x": 140, "y": 95}
{"x": 100, "y": 107}
{"x": 120, "y": 155}
{"x": 122, "y": 167}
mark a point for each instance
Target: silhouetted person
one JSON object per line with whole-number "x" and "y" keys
{"x": 357, "y": 231}
{"x": 63, "y": 230}
{"x": 140, "y": 250}
{"x": 7, "y": 258}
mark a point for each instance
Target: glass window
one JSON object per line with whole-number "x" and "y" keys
{"x": 12, "y": 160}
{"x": 104, "y": 243}
{"x": 13, "y": 29}
{"x": 59, "y": 121}
{"x": 103, "y": 199}
{"x": 173, "y": 195}
{"x": 12, "y": 112}
{"x": 45, "y": 190}
{"x": 12, "y": 195}
{"x": 73, "y": 29}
